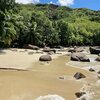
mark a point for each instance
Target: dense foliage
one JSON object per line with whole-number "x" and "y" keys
{"x": 47, "y": 24}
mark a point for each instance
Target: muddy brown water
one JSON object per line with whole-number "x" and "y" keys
{"x": 42, "y": 79}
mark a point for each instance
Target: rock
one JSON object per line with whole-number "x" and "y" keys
{"x": 91, "y": 70}
{"x": 2, "y": 52}
{"x": 61, "y": 77}
{"x": 75, "y": 49}
{"x": 30, "y": 53}
{"x": 83, "y": 98}
{"x": 71, "y": 50}
{"x": 74, "y": 57}
{"x": 98, "y": 72}
{"x": 79, "y": 75}
{"x": 98, "y": 58}
{"x": 47, "y": 49}
{"x": 79, "y": 57}
{"x": 29, "y": 46}
{"x": 98, "y": 77}
{"x": 79, "y": 94}
{"x": 45, "y": 58}
{"x": 51, "y": 53}
{"x": 79, "y": 50}
{"x": 58, "y": 47}
{"x": 94, "y": 50}
{"x": 84, "y": 58}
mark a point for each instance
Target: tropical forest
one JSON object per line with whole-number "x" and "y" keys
{"x": 48, "y": 24}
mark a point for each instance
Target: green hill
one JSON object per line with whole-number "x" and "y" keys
{"x": 48, "y": 24}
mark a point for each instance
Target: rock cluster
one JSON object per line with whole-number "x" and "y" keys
{"x": 79, "y": 57}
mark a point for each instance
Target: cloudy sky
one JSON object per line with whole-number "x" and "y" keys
{"x": 91, "y": 4}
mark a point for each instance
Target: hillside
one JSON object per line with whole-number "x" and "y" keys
{"x": 49, "y": 24}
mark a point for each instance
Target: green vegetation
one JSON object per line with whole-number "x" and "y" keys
{"x": 47, "y": 24}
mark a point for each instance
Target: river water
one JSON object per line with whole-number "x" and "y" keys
{"x": 95, "y": 85}
{"x": 55, "y": 77}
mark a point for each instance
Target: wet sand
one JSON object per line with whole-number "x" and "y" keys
{"x": 42, "y": 79}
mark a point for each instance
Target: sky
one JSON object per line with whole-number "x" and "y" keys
{"x": 91, "y": 4}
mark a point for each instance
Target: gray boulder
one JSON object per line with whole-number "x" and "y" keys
{"x": 91, "y": 70}
{"x": 98, "y": 72}
{"x": 94, "y": 50}
{"x": 79, "y": 75}
{"x": 74, "y": 57}
{"x": 75, "y": 49}
{"x": 47, "y": 49}
{"x": 29, "y": 46}
{"x": 45, "y": 58}
{"x": 80, "y": 94}
{"x": 98, "y": 58}
{"x": 79, "y": 57}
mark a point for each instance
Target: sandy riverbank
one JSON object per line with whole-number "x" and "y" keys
{"x": 21, "y": 58}
{"x": 41, "y": 79}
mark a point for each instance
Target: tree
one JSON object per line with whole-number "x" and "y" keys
{"x": 8, "y": 31}
{"x": 6, "y": 4}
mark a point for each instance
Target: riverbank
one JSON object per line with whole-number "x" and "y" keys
{"x": 21, "y": 58}
{"x": 42, "y": 78}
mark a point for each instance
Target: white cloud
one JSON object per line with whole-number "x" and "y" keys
{"x": 27, "y": 1}
{"x": 66, "y": 2}
{"x": 51, "y": 2}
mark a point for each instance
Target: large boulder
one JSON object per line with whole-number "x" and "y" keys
{"x": 98, "y": 58}
{"x": 75, "y": 49}
{"x": 29, "y": 46}
{"x": 45, "y": 58}
{"x": 79, "y": 75}
{"x": 94, "y": 50}
{"x": 74, "y": 57}
{"x": 79, "y": 57}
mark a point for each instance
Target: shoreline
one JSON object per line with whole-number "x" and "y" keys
{"x": 21, "y": 59}
{"x": 41, "y": 78}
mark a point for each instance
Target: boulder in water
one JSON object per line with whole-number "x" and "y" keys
{"x": 98, "y": 72}
{"x": 94, "y": 50}
{"x": 47, "y": 49}
{"x": 98, "y": 58}
{"x": 91, "y": 70}
{"x": 79, "y": 75}
{"x": 79, "y": 57}
{"x": 29, "y": 46}
{"x": 79, "y": 94}
{"x": 71, "y": 50}
{"x": 74, "y": 57}
{"x": 75, "y": 49}
{"x": 45, "y": 58}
